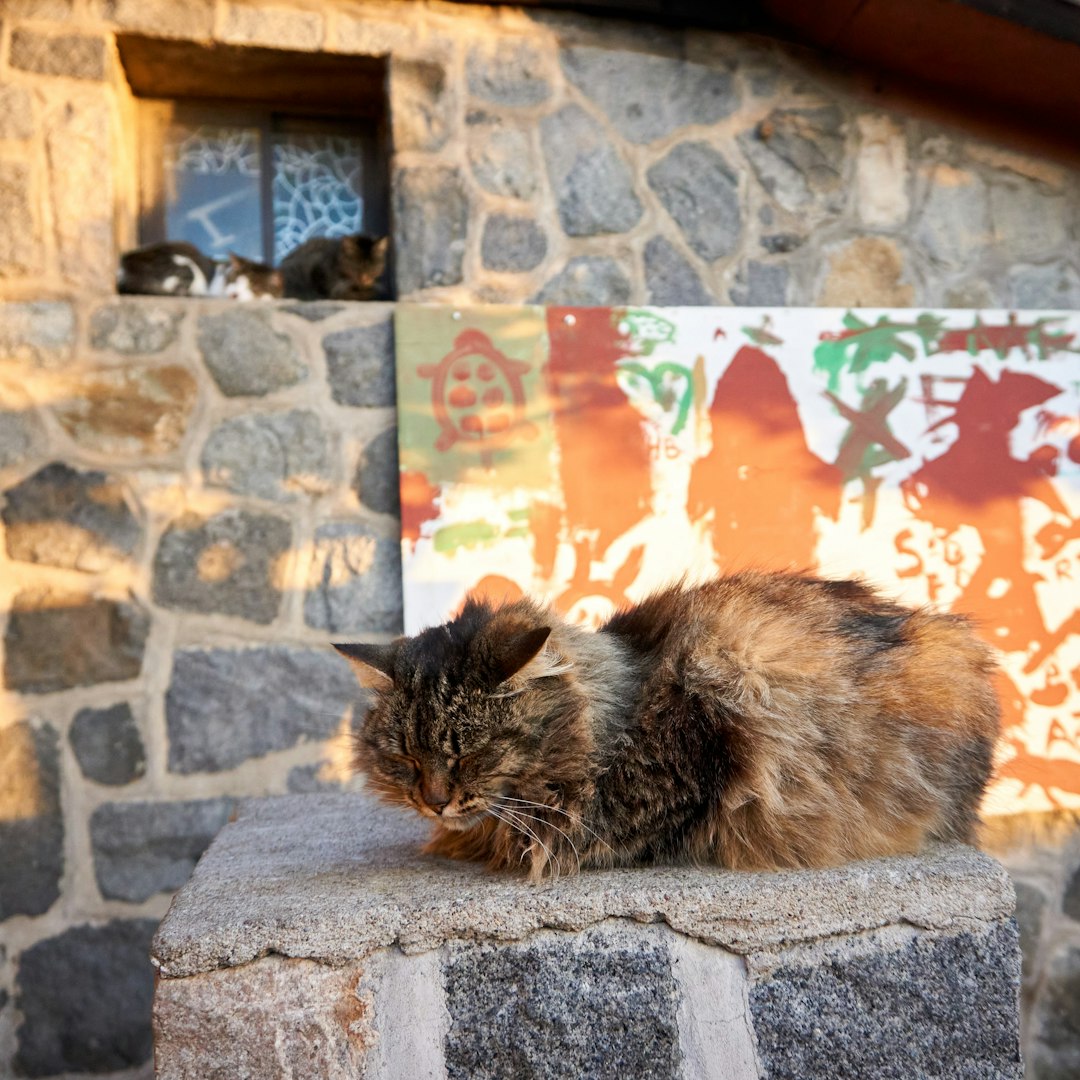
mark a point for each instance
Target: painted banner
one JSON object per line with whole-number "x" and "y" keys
{"x": 589, "y": 455}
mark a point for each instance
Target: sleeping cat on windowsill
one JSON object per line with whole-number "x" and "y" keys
{"x": 759, "y": 721}
{"x": 349, "y": 268}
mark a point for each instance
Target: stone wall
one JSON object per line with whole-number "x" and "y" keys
{"x": 196, "y": 496}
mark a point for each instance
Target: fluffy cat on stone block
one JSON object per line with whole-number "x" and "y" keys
{"x": 759, "y": 721}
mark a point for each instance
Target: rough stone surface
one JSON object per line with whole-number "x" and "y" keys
{"x": 376, "y": 480}
{"x": 760, "y": 285}
{"x": 1027, "y": 220}
{"x": 56, "y": 640}
{"x": 228, "y": 564}
{"x": 31, "y": 825}
{"x": 502, "y": 156}
{"x": 61, "y": 517}
{"x": 39, "y": 333}
{"x": 1070, "y": 898}
{"x": 431, "y": 220}
{"x": 512, "y": 243}
{"x": 107, "y": 744}
{"x": 253, "y": 891}
{"x": 143, "y": 848}
{"x": 21, "y": 436}
{"x": 1057, "y": 1049}
{"x": 274, "y": 26}
{"x": 16, "y": 113}
{"x": 131, "y": 328}
{"x": 648, "y": 97}
{"x": 670, "y": 279}
{"x": 20, "y": 247}
{"x": 129, "y": 412}
{"x": 286, "y": 695}
{"x": 360, "y": 364}
{"x": 700, "y": 191}
{"x": 309, "y": 779}
{"x": 274, "y": 456}
{"x": 1053, "y": 286}
{"x": 355, "y": 581}
{"x": 163, "y": 18}
{"x": 314, "y": 310}
{"x": 85, "y": 997}
{"x": 586, "y": 281}
{"x": 76, "y": 56}
{"x": 421, "y": 106}
{"x": 598, "y": 1004}
{"x": 944, "y": 1006}
{"x": 593, "y": 187}
{"x": 1030, "y": 909}
{"x": 954, "y": 226}
{"x": 881, "y": 172}
{"x": 868, "y": 272}
{"x": 246, "y": 356}
{"x": 280, "y": 1018}
{"x": 508, "y": 72}
{"x": 798, "y": 154}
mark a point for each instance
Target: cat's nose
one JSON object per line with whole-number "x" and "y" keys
{"x": 435, "y": 793}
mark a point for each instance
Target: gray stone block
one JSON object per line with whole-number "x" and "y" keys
{"x": 315, "y": 930}
{"x": 107, "y": 744}
{"x": 286, "y": 695}
{"x": 699, "y": 190}
{"x": 132, "y": 328}
{"x": 39, "y": 332}
{"x": 355, "y": 583}
{"x": 377, "y": 479}
{"x": 306, "y": 780}
{"x": 502, "y": 156}
{"x": 670, "y": 279}
{"x": 74, "y": 56}
{"x": 421, "y": 107}
{"x": 431, "y": 221}
{"x": 276, "y": 456}
{"x": 798, "y": 154}
{"x": 227, "y": 564}
{"x": 1053, "y": 286}
{"x": 954, "y": 225}
{"x": 313, "y": 310}
{"x": 760, "y": 285}
{"x": 16, "y": 113}
{"x": 21, "y": 436}
{"x": 508, "y": 72}
{"x": 85, "y": 998}
{"x": 360, "y": 364}
{"x": 246, "y": 356}
{"x": 61, "y": 517}
{"x": 598, "y": 1004}
{"x": 143, "y": 848}
{"x": 1057, "y": 1038}
{"x": 586, "y": 281}
{"x": 57, "y": 640}
{"x": 514, "y": 244}
{"x": 648, "y": 96}
{"x": 1070, "y": 898}
{"x": 32, "y": 828}
{"x": 781, "y": 243}
{"x": 593, "y": 187}
{"x": 943, "y": 1006}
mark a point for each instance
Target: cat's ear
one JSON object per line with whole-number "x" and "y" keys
{"x": 380, "y": 248}
{"x": 518, "y": 650}
{"x": 373, "y": 665}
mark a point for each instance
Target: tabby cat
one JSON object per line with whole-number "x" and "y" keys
{"x": 759, "y": 721}
{"x": 347, "y": 268}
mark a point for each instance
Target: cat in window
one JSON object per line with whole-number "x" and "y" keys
{"x": 177, "y": 268}
{"x": 341, "y": 268}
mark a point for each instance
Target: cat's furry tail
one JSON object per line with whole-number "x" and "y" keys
{"x": 1002, "y": 834}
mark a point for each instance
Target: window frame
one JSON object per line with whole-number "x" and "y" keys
{"x": 155, "y": 115}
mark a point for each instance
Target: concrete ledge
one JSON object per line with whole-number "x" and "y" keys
{"x": 314, "y": 939}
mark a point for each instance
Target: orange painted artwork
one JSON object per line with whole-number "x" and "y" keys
{"x": 589, "y": 455}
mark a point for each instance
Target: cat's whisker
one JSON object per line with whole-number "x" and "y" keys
{"x": 526, "y": 831}
{"x": 565, "y": 836}
{"x": 558, "y": 810}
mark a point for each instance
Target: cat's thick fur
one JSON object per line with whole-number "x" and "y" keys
{"x": 758, "y": 721}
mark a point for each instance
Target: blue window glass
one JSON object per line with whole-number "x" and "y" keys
{"x": 316, "y": 189}
{"x": 212, "y": 184}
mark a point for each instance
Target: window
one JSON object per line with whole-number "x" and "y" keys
{"x": 256, "y": 150}
{"x": 257, "y": 182}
